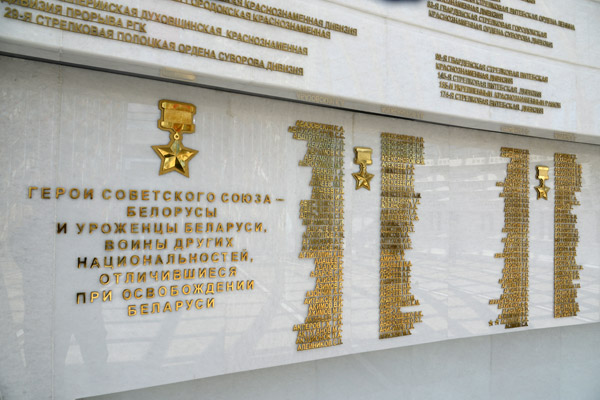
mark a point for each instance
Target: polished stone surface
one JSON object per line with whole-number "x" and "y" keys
{"x": 389, "y": 67}
{"x": 76, "y": 128}
{"x": 455, "y": 369}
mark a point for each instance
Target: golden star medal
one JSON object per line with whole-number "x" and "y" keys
{"x": 177, "y": 118}
{"x": 363, "y": 158}
{"x": 542, "y": 175}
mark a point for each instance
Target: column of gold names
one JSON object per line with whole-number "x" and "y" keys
{"x": 173, "y": 252}
{"x": 514, "y": 301}
{"x": 323, "y": 239}
{"x": 567, "y": 180}
{"x": 399, "y": 154}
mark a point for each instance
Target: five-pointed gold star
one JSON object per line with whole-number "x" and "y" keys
{"x": 363, "y": 179}
{"x": 542, "y": 191}
{"x": 175, "y": 157}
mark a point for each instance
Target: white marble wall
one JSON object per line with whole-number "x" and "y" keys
{"x": 553, "y": 364}
{"x": 390, "y": 63}
{"x": 77, "y": 128}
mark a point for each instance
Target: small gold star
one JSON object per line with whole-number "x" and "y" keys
{"x": 175, "y": 157}
{"x": 542, "y": 191}
{"x": 363, "y": 179}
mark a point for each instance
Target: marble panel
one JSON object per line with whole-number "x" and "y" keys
{"x": 78, "y": 129}
{"x": 388, "y": 67}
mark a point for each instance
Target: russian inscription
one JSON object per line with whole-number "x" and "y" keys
{"x": 186, "y": 263}
{"x": 514, "y": 301}
{"x": 323, "y": 240}
{"x": 399, "y": 154}
{"x": 491, "y": 17}
{"x": 133, "y": 25}
{"x": 473, "y": 82}
{"x": 567, "y": 176}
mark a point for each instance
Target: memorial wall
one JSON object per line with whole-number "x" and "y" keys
{"x": 510, "y": 65}
{"x": 197, "y": 188}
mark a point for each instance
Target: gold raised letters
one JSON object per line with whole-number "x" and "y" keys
{"x": 399, "y": 154}
{"x": 514, "y": 301}
{"x": 567, "y": 176}
{"x": 323, "y": 240}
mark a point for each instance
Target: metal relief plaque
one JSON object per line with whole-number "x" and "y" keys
{"x": 323, "y": 240}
